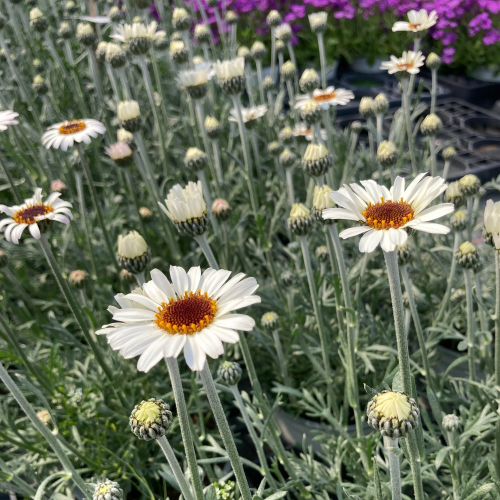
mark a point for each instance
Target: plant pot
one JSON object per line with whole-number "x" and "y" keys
{"x": 362, "y": 65}
{"x": 487, "y": 74}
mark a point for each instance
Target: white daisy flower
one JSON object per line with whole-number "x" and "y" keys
{"x": 302, "y": 130}
{"x": 128, "y": 32}
{"x": 386, "y": 215}
{"x": 232, "y": 68}
{"x": 63, "y": 135}
{"x": 192, "y": 312}
{"x": 419, "y": 20}
{"x": 8, "y": 118}
{"x": 249, "y": 114}
{"x": 283, "y": 31}
{"x": 410, "y": 62}
{"x": 184, "y": 204}
{"x": 328, "y": 97}
{"x": 31, "y": 213}
{"x": 492, "y": 222}
{"x": 193, "y": 78}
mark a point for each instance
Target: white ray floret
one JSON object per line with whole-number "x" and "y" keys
{"x": 410, "y": 62}
{"x": 418, "y": 20}
{"x": 326, "y": 98}
{"x": 8, "y": 118}
{"x": 63, "y": 135}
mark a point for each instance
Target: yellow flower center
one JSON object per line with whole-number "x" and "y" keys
{"x": 187, "y": 315}
{"x": 393, "y": 405}
{"x": 103, "y": 490}
{"x": 324, "y": 96}
{"x": 28, "y": 215}
{"x": 147, "y": 413}
{"x": 405, "y": 66}
{"x": 72, "y": 127}
{"x": 387, "y": 214}
{"x": 414, "y": 26}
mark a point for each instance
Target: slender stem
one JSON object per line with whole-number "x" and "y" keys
{"x": 289, "y": 183}
{"x": 258, "y": 64}
{"x": 409, "y": 131}
{"x": 497, "y": 318}
{"x": 182, "y": 412}
{"x": 291, "y": 98}
{"x": 392, "y": 450}
{"x": 432, "y": 150}
{"x": 281, "y": 358}
{"x": 350, "y": 157}
{"x": 470, "y": 217}
{"x": 44, "y": 430}
{"x": 176, "y": 468}
{"x": 124, "y": 83}
{"x": 447, "y": 295}
{"x": 273, "y": 54}
{"x": 291, "y": 52}
{"x": 481, "y": 310}
{"x": 217, "y": 160}
{"x": 446, "y": 168}
{"x": 416, "y": 48}
{"x": 433, "y": 90}
{"x": 379, "y": 119}
{"x": 207, "y": 250}
{"x": 470, "y": 324}
{"x": 322, "y": 59}
{"x": 225, "y": 432}
{"x": 12, "y": 183}
{"x": 96, "y": 76}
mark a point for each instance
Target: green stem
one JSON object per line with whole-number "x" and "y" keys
{"x": 409, "y": 130}
{"x": 433, "y": 90}
{"x": 447, "y": 295}
{"x": 225, "y": 432}
{"x": 470, "y": 324}
{"x": 497, "y": 319}
{"x": 207, "y": 250}
{"x": 176, "y": 468}
{"x": 289, "y": 184}
{"x": 12, "y": 184}
{"x": 44, "y": 430}
{"x": 392, "y": 449}
{"x": 432, "y": 150}
{"x": 182, "y": 412}
{"x": 322, "y": 59}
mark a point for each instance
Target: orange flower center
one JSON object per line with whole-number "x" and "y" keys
{"x": 405, "y": 66}
{"x": 72, "y": 127}
{"x": 413, "y": 26}
{"x": 28, "y": 215}
{"x": 187, "y": 315}
{"x": 387, "y": 214}
{"x": 324, "y": 96}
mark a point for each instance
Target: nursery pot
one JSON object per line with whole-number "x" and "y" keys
{"x": 487, "y": 74}
{"x": 362, "y": 65}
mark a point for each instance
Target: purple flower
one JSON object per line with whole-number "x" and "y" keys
{"x": 447, "y": 55}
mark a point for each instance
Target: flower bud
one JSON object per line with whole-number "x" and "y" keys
{"x": 44, "y": 416}
{"x": 38, "y": 21}
{"x": 286, "y": 278}
{"x": 40, "y": 85}
{"x": 231, "y": 17}
{"x": 451, "y": 423}
{"x": 65, "y": 31}
{"x": 449, "y": 153}
{"x": 268, "y": 83}
{"x": 309, "y": 81}
{"x": 258, "y": 51}
{"x": 115, "y": 14}
{"x": 120, "y": 153}
{"x": 459, "y": 220}
{"x": 300, "y": 219}
{"x": 280, "y": 47}
{"x": 387, "y": 154}
{"x": 129, "y": 115}
{"x": 433, "y": 61}
{"x": 230, "y": 372}
{"x": 312, "y": 112}
{"x": 115, "y": 55}
{"x": 286, "y": 136}
{"x": 380, "y": 104}
{"x": 469, "y": 184}
{"x": 316, "y": 160}
{"x": 404, "y": 254}
{"x": 178, "y": 51}
{"x": 78, "y": 278}
{"x": 212, "y": 126}
{"x": 431, "y": 125}
{"x": 283, "y": 33}
{"x": 274, "y": 18}
{"x": 181, "y": 20}
{"x": 134, "y": 254}
{"x": 357, "y": 126}
{"x": 288, "y": 71}
{"x": 467, "y": 256}
{"x": 458, "y": 295}
{"x": 221, "y": 209}
{"x": 321, "y": 201}
{"x": 270, "y": 320}
{"x": 202, "y": 33}
{"x": 85, "y": 34}
{"x": 454, "y": 194}
{"x": 107, "y": 490}
{"x": 321, "y": 253}
{"x": 100, "y": 51}
{"x": 366, "y": 107}
{"x": 274, "y": 148}
{"x": 287, "y": 158}
{"x": 317, "y": 21}
{"x": 150, "y": 419}
{"x": 195, "y": 159}
{"x": 244, "y": 51}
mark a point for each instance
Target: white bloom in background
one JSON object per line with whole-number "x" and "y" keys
{"x": 31, "y": 213}
{"x": 192, "y": 312}
{"x": 386, "y": 214}
{"x": 249, "y": 114}
{"x": 302, "y": 130}
{"x": 132, "y": 245}
{"x": 232, "y": 68}
{"x": 283, "y": 32}
{"x": 492, "y": 222}
{"x": 318, "y": 20}
{"x": 410, "y": 62}
{"x": 63, "y": 135}
{"x": 183, "y": 204}
{"x": 128, "y": 110}
{"x": 328, "y": 97}
{"x": 128, "y": 32}
{"x": 419, "y": 20}
{"x": 8, "y": 118}
{"x": 193, "y": 78}
{"x": 322, "y": 198}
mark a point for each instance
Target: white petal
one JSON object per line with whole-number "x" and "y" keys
{"x": 225, "y": 334}
{"x": 151, "y": 355}
{"x": 370, "y": 241}
{"x": 179, "y": 280}
{"x": 386, "y": 242}
{"x": 235, "y": 321}
{"x": 398, "y": 236}
{"x": 339, "y": 213}
{"x": 133, "y": 314}
{"x": 215, "y": 281}
{"x": 210, "y": 343}
{"x": 174, "y": 346}
{"x": 154, "y": 292}
{"x": 143, "y": 300}
{"x": 194, "y": 355}
{"x": 161, "y": 281}
{"x": 35, "y": 231}
{"x": 194, "y": 275}
{"x": 354, "y": 231}
{"x": 435, "y": 212}
{"x": 430, "y": 227}
{"x": 137, "y": 346}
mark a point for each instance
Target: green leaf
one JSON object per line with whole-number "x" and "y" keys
{"x": 482, "y": 490}
{"x": 210, "y": 493}
{"x": 275, "y": 496}
{"x": 440, "y": 457}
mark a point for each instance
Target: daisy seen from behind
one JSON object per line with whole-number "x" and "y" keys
{"x": 7, "y": 118}
{"x": 34, "y": 214}
{"x": 418, "y": 20}
{"x": 386, "y": 215}
{"x": 191, "y": 312}
{"x": 63, "y": 135}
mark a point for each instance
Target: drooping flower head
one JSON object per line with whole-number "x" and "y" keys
{"x": 192, "y": 311}
{"x": 418, "y": 21}
{"x": 408, "y": 64}
{"x": 34, "y": 214}
{"x": 386, "y": 214}
{"x": 63, "y": 135}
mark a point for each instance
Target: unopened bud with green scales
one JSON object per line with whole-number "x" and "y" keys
{"x": 274, "y": 148}
{"x": 107, "y": 490}
{"x": 311, "y": 112}
{"x": 454, "y": 194}
{"x": 221, "y": 209}
{"x": 280, "y": 47}
{"x": 286, "y": 278}
{"x": 258, "y": 50}
{"x": 449, "y": 153}
{"x": 393, "y": 413}
{"x": 316, "y": 160}
{"x": 459, "y": 220}
{"x": 231, "y": 75}
{"x": 202, "y": 33}
{"x": 283, "y": 32}
{"x": 244, "y": 51}
{"x": 38, "y": 65}
{"x": 317, "y": 21}
{"x": 38, "y": 21}
{"x": 288, "y": 158}
{"x": 286, "y": 136}
{"x": 274, "y": 19}
{"x": 65, "y": 31}
{"x": 100, "y": 51}
{"x": 195, "y": 159}
{"x": 115, "y": 14}
{"x": 85, "y": 34}
{"x": 451, "y": 423}
{"x": 467, "y": 256}
{"x": 268, "y": 84}
{"x": 225, "y": 490}
{"x": 212, "y": 126}
{"x": 321, "y": 253}
{"x": 70, "y": 7}
{"x": 4, "y": 259}
{"x": 356, "y": 126}
{"x": 121, "y": 153}
{"x": 270, "y": 320}
{"x": 288, "y": 71}
{"x": 231, "y": 18}
{"x": 387, "y": 154}
{"x": 321, "y": 201}
{"x": 40, "y": 85}
{"x": 150, "y": 419}
{"x": 230, "y": 372}
{"x": 181, "y": 20}
{"x": 380, "y": 104}
{"x": 129, "y": 115}
{"x": 366, "y": 107}
{"x": 134, "y": 254}
{"x": 458, "y": 295}
{"x": 431, "y": 125}
{"x": 404, "y": 254}
{"x": 309, "y": 81}
{"x": 469, "y": 184}
{"x": 115, "y": 55}
{"x": 433, "y": 61}
{"x": 178, "y": 51}
{"x": 300, "y": 221}
{"x": 78, "y": 278}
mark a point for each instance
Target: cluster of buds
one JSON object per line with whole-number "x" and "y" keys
{"x": 150, "y": 419}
